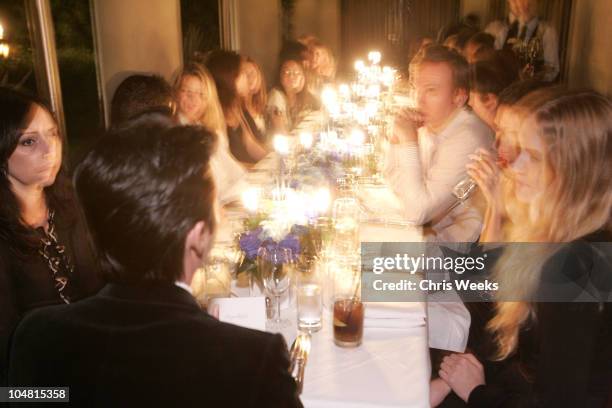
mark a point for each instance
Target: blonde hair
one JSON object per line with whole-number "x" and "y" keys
{"x": 576, "y": 128}
{"x": 212, "y": 118}
{"x": 259, "y": 99}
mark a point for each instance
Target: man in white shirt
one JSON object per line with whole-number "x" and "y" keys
{"x": 430, "y": 148}
{"x": 525, "y": 26}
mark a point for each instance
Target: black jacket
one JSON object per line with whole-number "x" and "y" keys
{"x": 149, "y": 346}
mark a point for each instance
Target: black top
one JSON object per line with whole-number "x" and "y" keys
{"x": 564, "y": 356}
{"x": 139, "y": 346}
{"x": 29, "y": 284}
{"x": 236, "y": 144}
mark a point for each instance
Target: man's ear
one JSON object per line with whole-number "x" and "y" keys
{"x": 197, "y": 239}
{"x": 460, "y": 98}
{"x": 197, "y": 245}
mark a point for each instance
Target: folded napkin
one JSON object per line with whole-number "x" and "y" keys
{"x": 449, "y": 325}
{"x": 394, "y": 315}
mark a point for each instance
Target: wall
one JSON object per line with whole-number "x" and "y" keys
{"x": 321, "y": 18}
{"x": 135, "y": 36}
{"x": 259, "y": 31}
{"x": 590, "y": 54}
{"x": 478, "y": 7}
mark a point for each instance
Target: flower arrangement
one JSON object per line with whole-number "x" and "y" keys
{"x": 260, "y": 232}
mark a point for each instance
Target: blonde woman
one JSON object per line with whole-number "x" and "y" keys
{"x": 197, "y": 103}
{"x": 490, "y": 170}
{"x": 552, "y": 354}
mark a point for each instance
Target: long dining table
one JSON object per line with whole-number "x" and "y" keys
{"x": 391, "y": 368}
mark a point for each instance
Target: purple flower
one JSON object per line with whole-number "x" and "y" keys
{"x": 250, "y": 242}
{"x": 291, "y": 242}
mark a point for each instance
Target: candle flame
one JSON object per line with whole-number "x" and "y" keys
{"x": 281, "y": 144}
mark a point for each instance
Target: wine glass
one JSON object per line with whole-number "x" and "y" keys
{"x": 274, "y": 264}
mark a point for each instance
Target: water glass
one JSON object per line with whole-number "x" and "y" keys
{"x": 309, "y": 298}
{"x": 346, "y": 224}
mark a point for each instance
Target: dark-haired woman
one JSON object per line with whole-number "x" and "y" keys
{"x": 228, "y": 70}
{"x": 290, "y": 102}
{"x": 45, "y": 253}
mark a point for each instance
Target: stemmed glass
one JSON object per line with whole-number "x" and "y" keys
{"x": 274, "y": 264}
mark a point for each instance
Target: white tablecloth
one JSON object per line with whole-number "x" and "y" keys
{"x": 391, "y": 368}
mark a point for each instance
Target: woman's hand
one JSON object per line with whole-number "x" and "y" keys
{"x": 438, "y": 390}
{"x": 485, "y": 171}
{"x": 463, "y": 373}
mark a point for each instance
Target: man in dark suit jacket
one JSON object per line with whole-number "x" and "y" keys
{"x": 148, "y": 196}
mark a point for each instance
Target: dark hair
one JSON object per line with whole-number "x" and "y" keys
{"x": 513, "y": 93}
{"x": 142, "y": 190}
{"x": 16, "y": 113}
{"x": 138, "y": 94}
{"x": 439, "y": 53}
{"x": 464, "y": 35}
{"x": 224, "y": 66}
{"x": 482, "y": 39}
{"x": 294, "y": 50}
{"x": 304, "y": 99}
{"x": 491, "y": 76}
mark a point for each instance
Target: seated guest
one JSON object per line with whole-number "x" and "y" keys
{"x": 46, "y": 256}
{"x": 463, "y": 36}
{"x": 320, "y": 68}
{"x": 491, "y": 173}
{"x": 451, "y": 42}
{"x": 227, "y": 68}
{"x": 530, "y": 32}
{"x": 143, "y": 340}
{"x": 290, "y": 101}
{"x": 257, "y": 97}
{"x": 555, "y": 353}
{"x": 478, "y": 44}
{"x": 138, "y": 94}
{"x": 430, "y": 148}
{"x": 489, "y": 170}
{"x": 198, "y": 104}
{"x": 487, "y": 80}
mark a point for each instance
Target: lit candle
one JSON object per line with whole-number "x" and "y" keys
{"x": 373, "y": 91}
{"x": 4, "y": 50}
{"x": 357, "y": 137}
{"x": 306, "y": 140}
{"x": 388, "y": 76}
{"x": 1, "y": 32}
{"x": 250, "y": 199}
{"x": 281, "y": 144}
{"x": 374, "y": 57}
{"x": 359, "y": 65}
{"x": 322, "y": 199}
{"x": 329, "y": 97}
{"x": 345, "y": 91}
